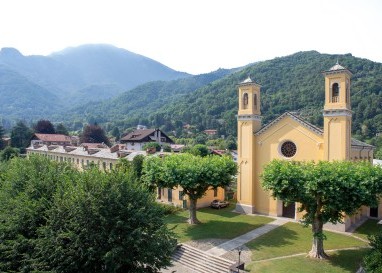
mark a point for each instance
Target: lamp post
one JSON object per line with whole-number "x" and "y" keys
{"x": 239, "y": 249}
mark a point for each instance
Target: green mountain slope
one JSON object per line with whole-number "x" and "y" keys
{"x": 291, "y": 83}
{"x": 135, "y": 105}
{"x": 22, "y": 99}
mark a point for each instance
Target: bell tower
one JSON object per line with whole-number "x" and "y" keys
{"x": 337, "y": 113}
{"x": 248, "y": 122}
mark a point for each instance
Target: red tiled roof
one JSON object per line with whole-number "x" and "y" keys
{"x": 53, "y": 137}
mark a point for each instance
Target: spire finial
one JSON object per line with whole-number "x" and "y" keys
{"x": 337, "y": 61}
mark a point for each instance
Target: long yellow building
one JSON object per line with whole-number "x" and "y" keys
{"x": 291, "y": 138}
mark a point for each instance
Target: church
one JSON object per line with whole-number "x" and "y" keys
{"x": 289, "y": 137}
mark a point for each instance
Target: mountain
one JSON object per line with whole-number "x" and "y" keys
{"x": 75, "y": 73}
{"x": 291, "y": 83}
{"x": 21, "y": 98}
{"x": 136, "y": 103}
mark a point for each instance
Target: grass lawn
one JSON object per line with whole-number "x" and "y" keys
{"x": 293, "y": 238}
{"x": 222, "y": 224}
{"x": 370, "y": 227}
{"x": 344, "y": 261}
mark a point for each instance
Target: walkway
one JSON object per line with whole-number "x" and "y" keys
{"x": 245, "y": 238}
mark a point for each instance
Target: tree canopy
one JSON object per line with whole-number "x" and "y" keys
{"x": 325, "y": 190}
{"x": 44, "y": 126}
{"x": 21, "y": 136}
{"x": 54, "y": 218}
{"x": 61, "y": 129}
{"x": 194, "y": 174}
{"x": 93, "y": 133}
{"x": 372, "y": 262}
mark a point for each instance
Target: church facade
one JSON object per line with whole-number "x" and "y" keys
{"x": 289, "y": 137}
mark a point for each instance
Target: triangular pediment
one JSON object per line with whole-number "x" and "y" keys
{"x": 289, "y": 115}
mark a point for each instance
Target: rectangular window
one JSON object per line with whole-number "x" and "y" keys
{"x": 180, "y": 195}
{"x": 111, "y": 166}
{"x": 216, "y": 192}
{"x": 104, "y": 165}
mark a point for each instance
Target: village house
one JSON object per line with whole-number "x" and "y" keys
{"x": 137, "y": 139}
{"x": 289, "y": 137}
{"x": 51, "y": 139}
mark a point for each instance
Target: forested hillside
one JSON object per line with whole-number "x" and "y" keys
{"x": 135, "y": 106}
{"x": 21, "y": 98}
{"x": 292, "y": 83}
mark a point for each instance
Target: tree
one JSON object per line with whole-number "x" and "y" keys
{"x": 44, "y": 126}
{"x": 116, "y": 133}
{"x": 194, "y": 174}
{"x": 199, "y": 150}
{"x": 326, "y": 191}
{"x": 94, "y": 134}
{"x": 372, "y": 262}
{"x": 27, "y": 188}
{"x": 154, "y": 145}
{"x": 54, "y": 218}
{"x": 2, "y": 144}
{"x": 20, "y": 136}
{"x": 61, "y": 129}
{"x": 8, "y": 153}
{"x": 105, "y": 223}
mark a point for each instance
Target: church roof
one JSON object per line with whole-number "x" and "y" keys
{"x": 337, "y": 68}
{"x": 248, "y": 81}
{"x": 308, "y": 125}
{"x": 299, "y": 120}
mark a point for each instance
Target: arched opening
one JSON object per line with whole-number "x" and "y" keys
{"x": 289, "y": 210}
{"x": 245, "y": 101}
{"x": 255, "y": 101}
{"x": 335, "y": 92}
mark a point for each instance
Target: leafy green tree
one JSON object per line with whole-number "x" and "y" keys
{"x": 199, "y": 150}
{"x": 325, "y": 190}
{"x": 372, "y": 262}
{"x": 150, "y": 145}
{"x": 54, "y": 218}
{"x": 166, "y": 148}
{"x": 94, "y": 134}
{"x": 27, "y": 187}
{"x": 61, "y": 129}
{"x": 105, "y": 223}
{"x": 44, "y": 126}
{"x": 116, "y": 133}
{"x": 8, "y": 153}
{"x": 21, "y": 136}
{"x": 194, "y": 174}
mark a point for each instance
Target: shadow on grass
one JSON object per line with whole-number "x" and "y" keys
{"x": 281, "y": 236}
{"x": 370, "y": 227}
{"x": 219, "y": 229}
{"x": 347, "y": 259}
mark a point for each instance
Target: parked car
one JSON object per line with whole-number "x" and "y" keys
{"x": 217, "y": 204}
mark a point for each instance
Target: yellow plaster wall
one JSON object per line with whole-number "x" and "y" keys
{"x": 309, "y": 147}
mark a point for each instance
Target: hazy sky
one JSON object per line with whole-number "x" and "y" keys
{"x": 196, "y": 36}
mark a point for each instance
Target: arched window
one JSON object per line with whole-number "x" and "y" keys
{"x": 245, "y": 100}
{"x": 335, "y": 92}
{"x": 255, "y": 101}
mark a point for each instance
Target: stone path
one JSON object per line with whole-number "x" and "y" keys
{"x": 245, "y": 238}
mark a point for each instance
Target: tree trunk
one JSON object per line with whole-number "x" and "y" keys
{"x": 193, "y": 220}
{"x": 318, "y": 240}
